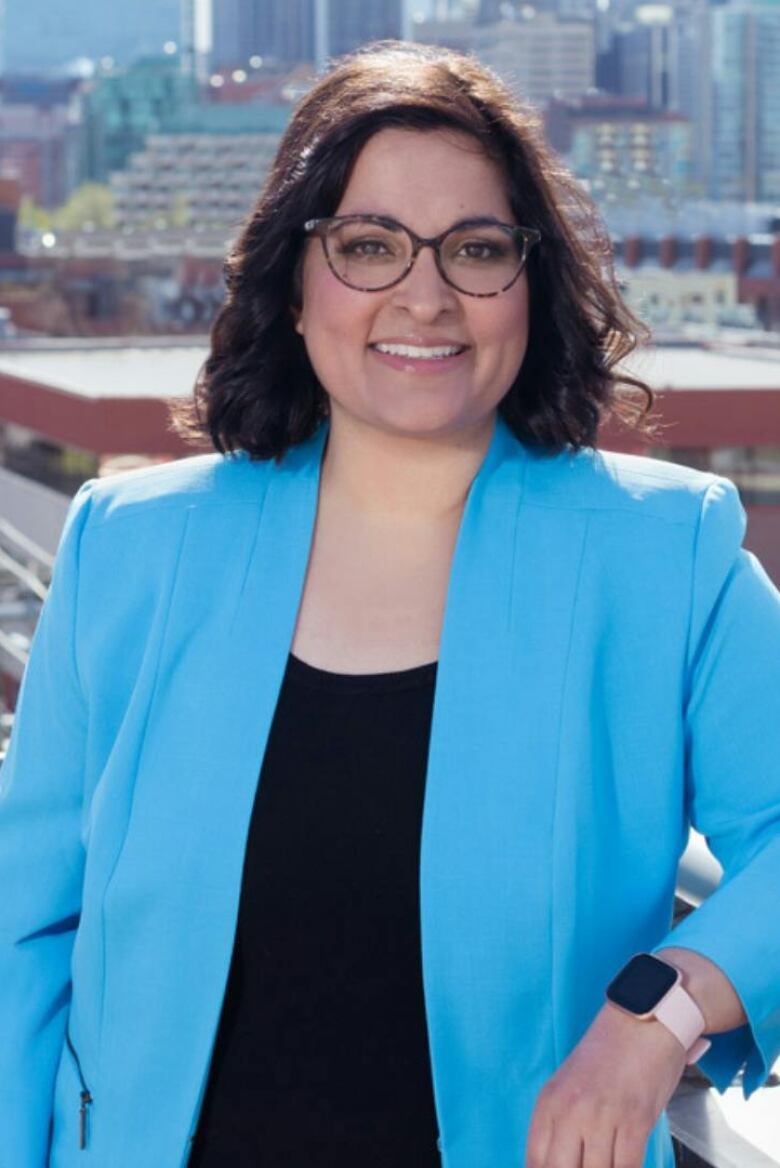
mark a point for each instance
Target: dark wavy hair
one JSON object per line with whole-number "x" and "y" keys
{"x": 257, "y": 390}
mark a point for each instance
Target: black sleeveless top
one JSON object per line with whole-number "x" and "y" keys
{"x": 321, "y": 1056}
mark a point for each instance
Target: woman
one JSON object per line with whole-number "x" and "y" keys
{"x": 406, "y": 573}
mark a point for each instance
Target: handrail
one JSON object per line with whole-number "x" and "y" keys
{"x": 25, "y": 577}
{"x": 13, "y": 659}
{"x": 698, "y": 1124}
{"x": 696, "y": 1120}
{"x": 27, "y": 545}
{"x": 10, "y": 646}
{"x": 699, "y": 872}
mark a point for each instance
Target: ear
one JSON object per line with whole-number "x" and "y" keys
{"x": 297, "y": 316}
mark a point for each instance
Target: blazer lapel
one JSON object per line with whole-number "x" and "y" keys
{"x": 486, "y": 861}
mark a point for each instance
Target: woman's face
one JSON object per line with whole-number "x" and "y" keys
{"x": 427, "y": 180}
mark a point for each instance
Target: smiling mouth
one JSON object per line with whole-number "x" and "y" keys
{"x": 419, "y": 352}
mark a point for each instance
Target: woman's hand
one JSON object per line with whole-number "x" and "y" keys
{"x": 600, "y": 1106}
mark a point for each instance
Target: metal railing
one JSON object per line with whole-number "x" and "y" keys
{"x": 25, "y": 572}
{"x": 702, "y": 1134}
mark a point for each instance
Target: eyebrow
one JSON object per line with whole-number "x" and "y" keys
{"x": 476, "y": 218}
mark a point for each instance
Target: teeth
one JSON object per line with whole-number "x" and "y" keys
{"x": 418, "y": 351}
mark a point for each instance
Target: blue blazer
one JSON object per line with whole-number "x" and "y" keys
{"x": 609, "y": 673}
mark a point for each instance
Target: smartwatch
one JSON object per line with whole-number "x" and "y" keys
{"x": 649, "y": 988}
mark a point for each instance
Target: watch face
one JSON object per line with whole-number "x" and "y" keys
{"x": 641, "y": 983}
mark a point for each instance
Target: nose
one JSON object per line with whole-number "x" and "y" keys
{"x": 423, "y": 291}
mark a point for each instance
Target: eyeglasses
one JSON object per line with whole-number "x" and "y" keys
{"x": 480, "y": 257}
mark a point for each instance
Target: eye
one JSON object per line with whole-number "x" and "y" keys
{"x": 363, "y": 247}
{"x": 482, "y": 249}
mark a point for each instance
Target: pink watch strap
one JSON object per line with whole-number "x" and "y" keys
{"x": 679, "y": 1013}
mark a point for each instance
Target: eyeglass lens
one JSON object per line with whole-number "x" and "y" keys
{"x": 480, "y": 259}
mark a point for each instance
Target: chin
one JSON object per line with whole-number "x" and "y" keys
{"x": 420, "y": 421}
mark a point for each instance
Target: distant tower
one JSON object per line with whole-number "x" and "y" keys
{"x": 489, "y": 11}
{"x": 294, "y": 31}
{"x": 356, "y": 22}
{"x": 743, "y": 101}
{"x": 407, "y": 26}
{"x": 187, "y": 49}
{"x": 193, "y": 60}
{"x": 321, "y": 34}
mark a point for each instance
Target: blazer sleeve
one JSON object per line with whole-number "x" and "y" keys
{"x": 41, "y": 861}
{"x": 732, "y": 775}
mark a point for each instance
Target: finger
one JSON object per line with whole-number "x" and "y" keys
{"x": 599, "y": 1146}
{"x": 630, "y": 1147}
{"x": 538, "y": 1142}
{"x": 565, "y": 1149}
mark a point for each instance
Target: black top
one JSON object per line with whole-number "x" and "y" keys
{"x": 321, "y": 1057}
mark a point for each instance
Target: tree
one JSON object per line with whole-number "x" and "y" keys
{"x": 33, "y": 217}
{"x": 91, "y": 204}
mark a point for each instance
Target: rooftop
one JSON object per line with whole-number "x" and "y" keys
{"x": 161, "y": 367}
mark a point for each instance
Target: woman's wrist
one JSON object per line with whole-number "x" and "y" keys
{"x": 709, "y": 987}
{"x": 616, "y": 1025}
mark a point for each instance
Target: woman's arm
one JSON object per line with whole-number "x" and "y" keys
{"x": 599, "y": 1108}
{"x": 41, "y": 862}
{"x": 608, "y": 1095}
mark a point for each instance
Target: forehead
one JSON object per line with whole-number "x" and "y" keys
{"x": 427, "y": 178}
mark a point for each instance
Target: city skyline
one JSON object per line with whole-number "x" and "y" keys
{"x": 41, "y": 18}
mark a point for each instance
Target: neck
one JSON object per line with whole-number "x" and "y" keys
{"x": 397, "y": 477}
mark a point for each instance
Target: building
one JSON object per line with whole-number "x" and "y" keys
{"x": 123, "y": 106}
{"x": 41, "y": 136}
{"x": 541, "y": 55}
{"x": 489, "y": 11}
{"x": 717, "y": 281}
{"x": 672, "y": 283}
{"x": 451, "y": 30}
{"x": 10, "y": 197}
{"x": 186, "y": 178}
{"x": 537, "y": 53}
{"x": 49, "y": 34}
{"x": 714, "y": 63}
{"x": 355, "y": 22}
{"x": 690, "y": 94}
{"x": 744, "y": 98}
{"x": 645, "y": 214}
{"x": 621, "y": 144}
{"x": 269, "y": 29}
{"x": 638, "y": 62}
{"x": 285, "y": 30}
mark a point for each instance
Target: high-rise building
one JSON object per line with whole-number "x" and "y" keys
{"x": 490, "y": 11}
{"x": 45, "y": 34}
{"x": 744, "y": 101}
{"x": 640, "y": 60}
{"x": 245, "y": 28}
{"x": 620, "y": 145}
{"x": 41, "y": 136}
{"x": 124, "y": 106}
{"x": 538, "y": 54}
{"x": 284, "y": 30}
{"x": 354, "y": 22}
